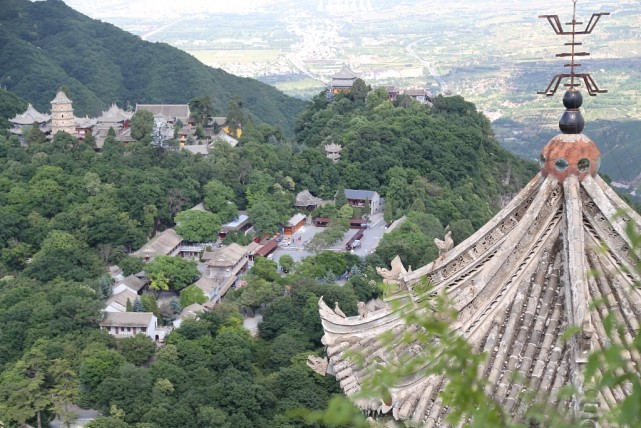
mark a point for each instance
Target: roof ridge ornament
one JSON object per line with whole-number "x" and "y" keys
{"x": 590, "y": 85}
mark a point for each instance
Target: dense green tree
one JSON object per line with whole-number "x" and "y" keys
{"x": 461, "y": 229}
{"x": 219, "y": 200}
{"x": 16, "y": 255}
{"x": 197, "y": 226}
{"x": 286, "y": 263}
{"x": 280, "y": 317}
{"x": 284, "y": 347}
{"x": 142, "y": 123}
{"x": 410, "y": 243}
{"x": 265, "y": 268}
{"x": 62, "y": 255}
{"x": 150, "y": 303}
{"x": 265, "y": 216}
{"x": 23, "y": 391}
{"x": 258, "y": 292}
{"x": 96, "y": 368}
{"x": 179, "y": 272}
{"x": 235, "y": 116}
{"x": 138, "y": 306}
{"x": 137, "y": 349}
{"x": 131, "y": 265}
{"x": 35, "y": 136}
{"x": 232, "y": 347}
{"x": 64, "y": 391}
{"x": 107, "y": 422}
{"x": 10, "y": 106}
{"x": 191, "y": 295}
{"x": 359, "y": 90}
{"x": 201, "y": 109}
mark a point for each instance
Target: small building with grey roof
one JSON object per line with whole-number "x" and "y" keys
{"x": 128, "y": 324}
{"x": 165, "y": 243}
{"x": 360, "y": 198}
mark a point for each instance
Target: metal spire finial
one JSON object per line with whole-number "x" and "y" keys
{"x": 590, "y": 84}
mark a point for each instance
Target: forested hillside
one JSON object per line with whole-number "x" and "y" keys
{"x": 46, "y": 45}
{"x": 66, "y": 212}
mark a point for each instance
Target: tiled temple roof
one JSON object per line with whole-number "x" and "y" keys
{"x": 517, "y": 285}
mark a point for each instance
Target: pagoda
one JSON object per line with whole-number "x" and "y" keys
{"x": 517, "y": 285}
{"x": 343, "y": 80}
{"x": 62, "y": 118}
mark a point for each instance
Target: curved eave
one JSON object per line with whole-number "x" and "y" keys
{"x": 517, "y": 284}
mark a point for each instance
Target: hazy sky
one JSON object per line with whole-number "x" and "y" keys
{"x": 160, "y": 8}
{"x": 174, "y": 8}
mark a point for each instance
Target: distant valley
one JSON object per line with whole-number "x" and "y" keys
{"x": 497, "y": 54}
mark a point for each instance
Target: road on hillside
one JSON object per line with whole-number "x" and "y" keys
{"x": 439, "y": 79}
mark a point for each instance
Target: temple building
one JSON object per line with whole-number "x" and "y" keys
{"x": 23, "y": 122}
{"x": 333, "y": 151}
{"x": 533, "y": 273}
{"x": 115, "y": 118}
{"x": 62, "y": 118}
{"x": 343, "y": 80}
{"x": 171, "y": 113}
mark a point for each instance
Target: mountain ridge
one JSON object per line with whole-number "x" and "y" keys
{"x": 46, "y": 45}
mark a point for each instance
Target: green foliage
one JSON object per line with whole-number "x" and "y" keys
{"x": 179, "y": 272}
{"x": 238, "y": 237}
{"x": 219, "y": 200}
{"x": 117, "y": 67}
{"x": 346, "y": 211}
{"x": 197, "y": 226}
{"x": 131, "y": 265}
{"x": 461, "y": 229}
{"x": 142, "y": 123}
{"x": 95, "y": 369}
{"x": 107, "y": 422}
{"x": 138, "y": 306}
{"x": 201, "y": 109}
{"x": 137, "y": 349}
{"x": 286, "y": 263}
{"x": 35, "y": 136}
{"x": 10, "y": 106}
{"x": 332, "y": 233}
{"x": 266, "y": 216}
{"x": 149, "y": 303}
{"x": 326, "y": 261}
{"x": 105, "y": 287}
{"x": 191, "y": 295}
{"x": 258, "y": 292}
{"x": 265, "y": 269}
{"x": 408, "y": 241}
{"x": 23, "y": 391}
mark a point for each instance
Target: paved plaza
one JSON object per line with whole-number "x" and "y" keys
{"x": 295, "y": 246}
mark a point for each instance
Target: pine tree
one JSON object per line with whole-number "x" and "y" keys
{"x": 138, "y": 306}
{"x": 130, "y": 307}
{"x": 105, "y": 288}
{"x": 175, "y": 307}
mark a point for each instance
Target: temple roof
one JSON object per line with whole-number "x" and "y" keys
{"x": 61, "y": 98}
{"x": 114, "y": 114}
{"x": 345, "y": 73}
{"x": 29, "y": 116}
{"x": 84, "y": 122}
{"x": 533, "y": 290}
{"x": 517, "y": 284}
{"x": 168, "y": 111}
{"x": 305, "y": 198}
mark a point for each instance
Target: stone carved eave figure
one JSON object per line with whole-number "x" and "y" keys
{"x": 517, "y": 284}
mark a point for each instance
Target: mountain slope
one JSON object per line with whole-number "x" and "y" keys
{"x": 46, "y": 44}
